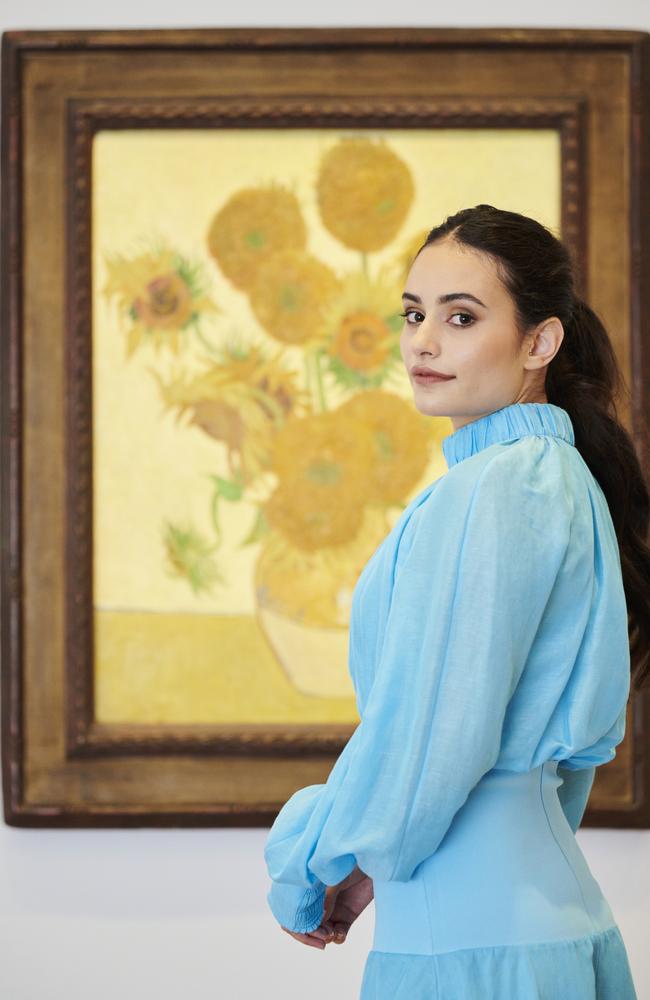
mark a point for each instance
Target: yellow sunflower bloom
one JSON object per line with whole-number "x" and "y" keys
{"x": 252, "y": 226}
{"x": 364, "y": 193}
{"x": 322, "y": 462}
{"x": 401, "y": 438}
{"x": 362, "y": 325}
{"x": 291, "y": 295}
{"x": 158, "y": 295}
{"x": 327, "y": 575}
{"x": 238, "y": 401}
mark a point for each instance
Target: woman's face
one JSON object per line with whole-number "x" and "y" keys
{"x": 476, "y": 342}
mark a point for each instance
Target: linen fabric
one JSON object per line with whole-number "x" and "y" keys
{"x": 489, "y": 654}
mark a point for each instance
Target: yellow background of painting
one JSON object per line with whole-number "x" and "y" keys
{"x": 162, "y": 653}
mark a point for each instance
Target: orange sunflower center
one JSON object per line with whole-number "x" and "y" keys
{"x": 361, "y": 341}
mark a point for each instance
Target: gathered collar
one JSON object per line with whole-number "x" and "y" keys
{"x": 507, "y": 424}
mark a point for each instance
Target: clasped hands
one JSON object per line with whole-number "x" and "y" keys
{"x": 343, "y": 904}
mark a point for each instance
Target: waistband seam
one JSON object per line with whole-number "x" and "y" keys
{"x": 427, "y": 901}
{"x": 564, "y": 855}
{"x": 523, "y": 945}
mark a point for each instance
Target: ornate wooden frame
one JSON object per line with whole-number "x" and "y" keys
{"x": 60, "y": 767}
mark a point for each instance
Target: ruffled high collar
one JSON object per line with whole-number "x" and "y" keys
{"x": 507, "y": 424}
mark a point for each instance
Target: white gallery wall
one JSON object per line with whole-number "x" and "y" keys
{"x": 169, "y": 914}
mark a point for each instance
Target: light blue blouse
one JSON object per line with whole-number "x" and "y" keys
{"x": 488, "y": 630}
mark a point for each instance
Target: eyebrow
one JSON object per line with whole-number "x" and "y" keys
{"x": 449, "y": 297}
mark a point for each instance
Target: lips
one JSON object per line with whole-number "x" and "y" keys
{"x": 430, "y": 373}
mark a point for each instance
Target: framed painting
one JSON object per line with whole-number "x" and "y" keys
{"x": 206, "y": 425}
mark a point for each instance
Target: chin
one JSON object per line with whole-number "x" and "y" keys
{"x": 429, "y": 407}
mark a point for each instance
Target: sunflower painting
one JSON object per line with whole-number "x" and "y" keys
{"x": 254, "y": 432}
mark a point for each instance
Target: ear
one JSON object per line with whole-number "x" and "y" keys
{"x": 544, "y": 343}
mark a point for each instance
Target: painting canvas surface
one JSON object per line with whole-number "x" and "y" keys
{"x": 254, "y": 434}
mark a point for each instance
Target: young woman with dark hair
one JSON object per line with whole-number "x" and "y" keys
{"x": 494, "y": 636}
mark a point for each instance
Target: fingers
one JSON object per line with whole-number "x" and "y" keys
{"x": 332, "y": 933}
{"x": 308, "y": 939}
{"x": 326, "y": 933}
{"x": 340, "y": 933}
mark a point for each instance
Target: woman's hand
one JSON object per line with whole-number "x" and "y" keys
{"x": 343, "y": 904}
{"x": 313, "y": 939}
{"x": 347, "y": 904}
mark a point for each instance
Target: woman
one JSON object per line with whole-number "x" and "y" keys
{"x": 489, "y": 650}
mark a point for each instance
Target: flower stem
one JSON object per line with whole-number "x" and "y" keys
{"x": 319, "y": 381}
{"x": 214, "y": 512}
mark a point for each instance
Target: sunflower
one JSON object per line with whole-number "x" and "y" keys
{"x": 252, "y": 226}
{"x": 322, "y": 462}
{"x": 159, "y": 295}
{"x": 238, "y": 400}
{"x": 401, "y": 442}
{"x": 362, "y": 325}
{"x": 327, "y": 575}
{"x": 364, "y": 192}
{"x": 291, "y": 295}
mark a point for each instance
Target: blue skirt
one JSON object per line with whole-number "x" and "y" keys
{"x": 506, "y": 908}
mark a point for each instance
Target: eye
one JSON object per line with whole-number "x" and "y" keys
{"x": 408, "y": 313}
{"x": 467, "y": 315}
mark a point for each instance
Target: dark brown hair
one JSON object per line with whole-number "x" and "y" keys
{"x": 583, "y": 378}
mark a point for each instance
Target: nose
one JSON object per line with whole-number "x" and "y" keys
{"x": 425, "y": 339}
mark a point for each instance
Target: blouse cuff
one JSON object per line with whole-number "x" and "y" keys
{"x": 296, "y": 908}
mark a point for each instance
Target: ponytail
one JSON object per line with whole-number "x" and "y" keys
{"x": 584, "y": 378}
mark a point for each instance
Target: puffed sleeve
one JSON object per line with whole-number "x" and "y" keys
{"x": 476, "y": 564}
